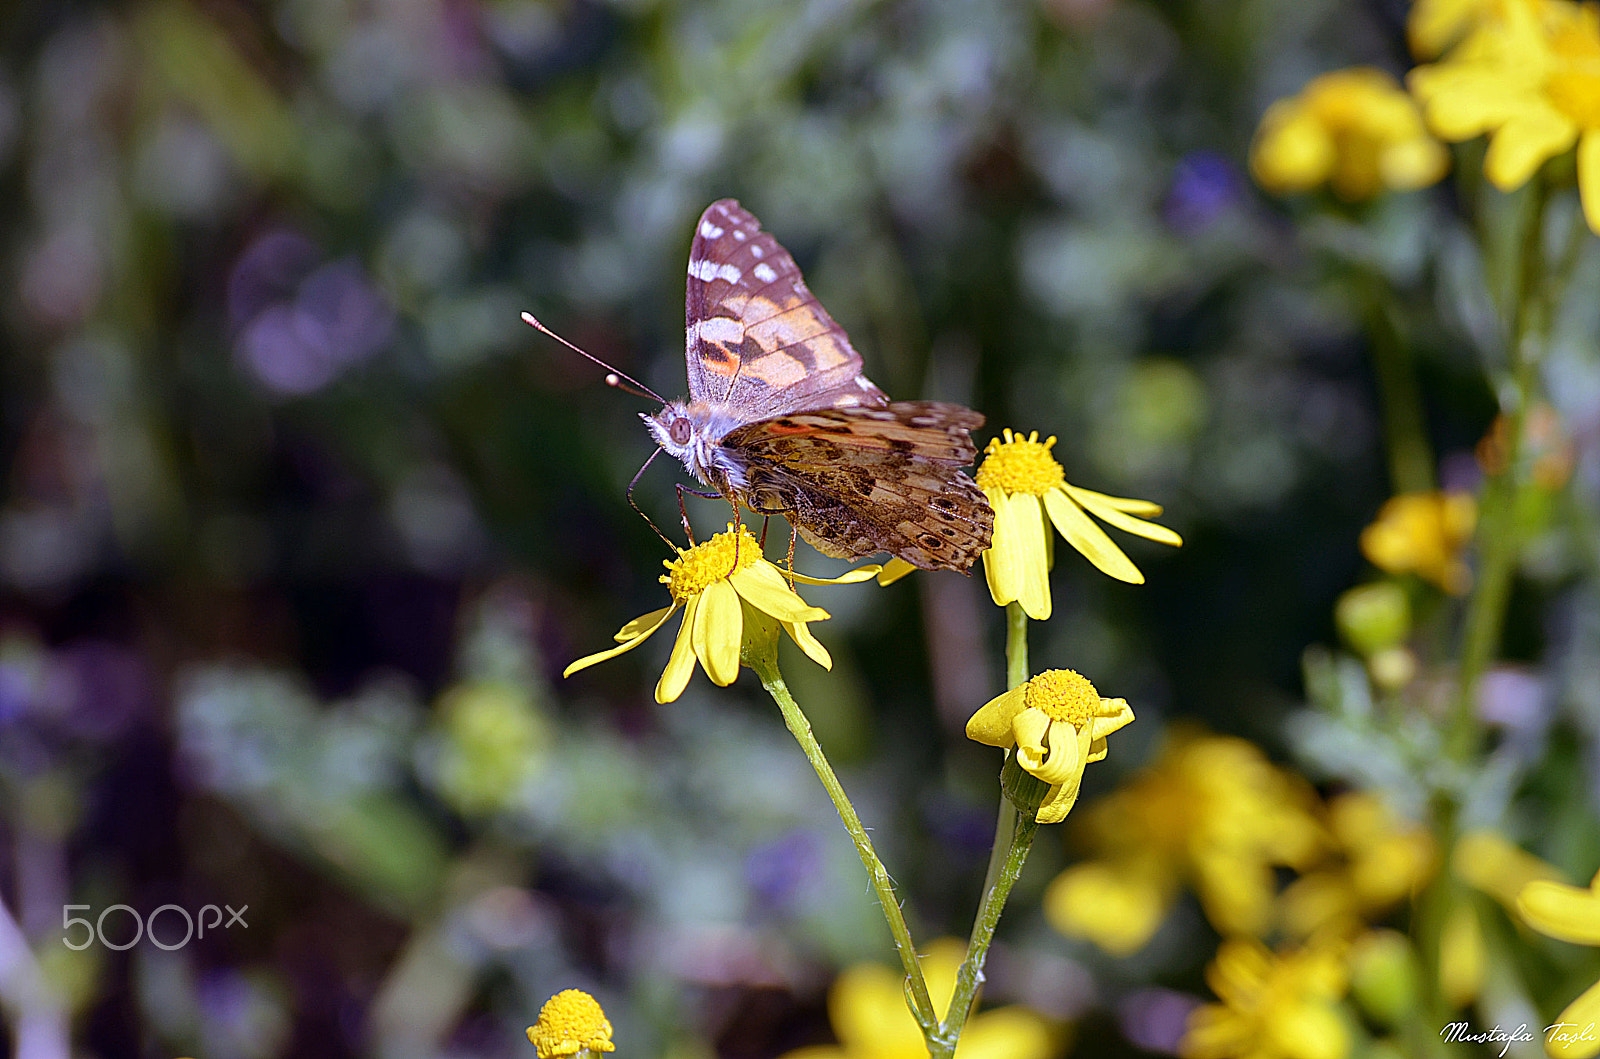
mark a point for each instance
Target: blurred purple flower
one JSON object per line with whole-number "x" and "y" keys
{"x": 97, "y": 689}
{"x": 1155, "y": 1019}
{"x": 300, "y": 326}
{"x": 778, "y": 871}
{"x": 1205, "y": 185}
{"x": 1513, "y": 698}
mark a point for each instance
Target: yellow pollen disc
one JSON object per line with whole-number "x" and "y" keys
{"x": 1062, "y": 695}
{"x": 1020, "y": 465}
{"x": 710, "y": 561}
{"x": 1576, "y": 93}
{"x": 569, "y": 1022}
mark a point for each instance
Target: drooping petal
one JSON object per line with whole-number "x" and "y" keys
{"x": 1589, "y": 177}
{"x": 815, "y": 651}
{"x": 680, "y": 665}
{"x": 585, "y": 662}
{"x": 1526, "y": 142}
{"x": 1114, "y": 511}
{"x": 1081, "y": 532}
{"x": 643, "y": 625}
{"x": 1000, "y": 561}
{"x": 1567, "y": 913}
{"x": 763, "y": 587}
{"x": 991, "y": 725}
{"x": 1113, "y": 714}
{"x": 718, "y": 625}
{"x": 894, "y": 570}
{"x": 850, "y": 577}
{"x": 1031, "y": 571}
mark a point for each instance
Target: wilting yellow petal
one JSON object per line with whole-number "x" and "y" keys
{"x": 585, "y": 662}
{"x": 680, "y": 665}
{"x": 643, "y": 625}
{"x": 718, "y": 625}
{"x": 1567, "y": 913}
{"x": 1589, "y": 177}
{"x": 1089, "y": 539}
{"x": 763, "y": 587}
{"x": 991, "y": 725}
{"x": 1030, "y": 570}
{"x": 801, "y": 635}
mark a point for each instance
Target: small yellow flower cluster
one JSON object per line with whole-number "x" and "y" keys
{"x": 1271, "y": 1004}
{"x": 1424, "y": 534}
{"x": 1355, "y": 130}
{"x": 571, "y": 1023}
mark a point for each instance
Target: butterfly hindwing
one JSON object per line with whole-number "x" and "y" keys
{"x": 757, "y": 339}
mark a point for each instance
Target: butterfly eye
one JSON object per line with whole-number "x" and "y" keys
{"x": 679, "y": 431}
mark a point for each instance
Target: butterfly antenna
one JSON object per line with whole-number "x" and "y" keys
{"x": 647, "y": 522}
{"x": 613, "y": 376}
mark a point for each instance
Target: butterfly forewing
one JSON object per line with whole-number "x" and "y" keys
{"x": 757, "y": 339}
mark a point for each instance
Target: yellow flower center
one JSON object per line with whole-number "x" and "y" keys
{"x": 569, "y": 1022}
{"x": 1062, "y": 695}
{"x": 1020, "y": 465}
{"x": 710, "y": 561}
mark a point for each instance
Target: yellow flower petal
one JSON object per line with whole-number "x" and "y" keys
{"x": 680, "y": 665}
{"x": 801, "y": 635}
{"x": 1589, "y": 177}
{"x": 1114, "y": 511}
{"x": 1089, "y": 539}
{"x": 1117, "y": 909}
{"x": 585, "y": 662}
{"x": 1000, "y": 561}
{"x": 894, "y": 570}
{"x": 1525, "y": 143}
{"x": 1009, "y": 1033}
{"x": 718, "y": 626}
{"x": 1574, "y": 1036}
{"x": 643, "y": 626}
{"x": 991, "y": 725}
{"x": 850, "y": 577}
{"x": 763, "y": 587}
{"x": 1032, "y": 575}
{"x": 1567, "y": 913}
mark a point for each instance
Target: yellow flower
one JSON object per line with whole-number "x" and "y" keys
{"x": 1425, "y": 534}
{"x": 725, "y": 587}
{"x": 1212, "y": 812}
{"x": 867, "y": 1006}
{"x": 1024, "y": 483}
{"x": 1568, "y": 913}
{"x": 1432, "y": 26}
{"x": 1355, "y": 130}
{"x": 1531, "y": 80}
{"x": 1058, "y": 722}
{"x": 569, "y": 1023}
{"x": 1486, "y": 861}
{"x": 1273, "y": 1005}
{"x": 1381, "y": 861}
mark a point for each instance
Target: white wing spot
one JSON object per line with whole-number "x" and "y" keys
{"x": 739, "y": 235}
{"x": 718, "y": 329}
{"x": 764, "y": 273}
{"x": 709, "y": 230}
{"x": 706, "y": 271}
{"x": 861, "y": 381}
{"x": 755, "y": 251}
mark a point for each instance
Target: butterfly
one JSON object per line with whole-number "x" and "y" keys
{"x": 781, "y": 419}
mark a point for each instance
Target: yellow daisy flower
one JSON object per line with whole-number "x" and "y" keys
{"x": 867, "y": 1006}
{"x": 1424, "y": 534}
{"x": 1355, "y": 130}
{"x": 1058, "y": 722}
{"x": 570, "y": 1023}
{"x": 1211, "y": 812}
{"x": 1024, "y": 483}
{"x": 1530, "y": 79}
{"x": 1273, "y": 1005}
{"x": 1568, "y": 913}
{"x": 724, "y": 585}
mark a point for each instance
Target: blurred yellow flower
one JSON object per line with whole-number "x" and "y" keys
{"x": 1024, "y": 484}
{"x": 1379, "y": 860}
{"x": 570, "y": 1023}
{"x": 1355, "y": 130}
{"x": 1432, "y": 26}
{"x": 1530, "y": 79}
{"x": 1273, "y": 1005}
{"x": 1568, "y": 913}
{"x": 724, "y": 585}
{"x": 867, "y": 1006}
{"x": 1058, "y": 722}
{"x": 1212, "y": 812}
{"x": 1424, "y": 534}
{"x": 1486, "y": 861}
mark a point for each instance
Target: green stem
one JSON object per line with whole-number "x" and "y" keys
{"x": 1410, "y": 455}
{"x": 1013, "y": 838}
{"x": 917, "y": 987}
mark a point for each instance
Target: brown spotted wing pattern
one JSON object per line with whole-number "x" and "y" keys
{"x": 782, "y": 419}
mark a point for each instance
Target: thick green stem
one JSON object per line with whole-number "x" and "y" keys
{"x": 882, "y": 885}
{"x": 1013, "y": 838}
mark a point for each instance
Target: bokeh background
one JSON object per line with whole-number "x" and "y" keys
{"x": 300, "y": 523}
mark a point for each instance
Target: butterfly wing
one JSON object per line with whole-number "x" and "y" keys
{"x": 859, "y": 481}
{"x": 758, "y": 340}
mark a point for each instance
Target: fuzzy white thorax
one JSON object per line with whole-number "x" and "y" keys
{"x": 702, "y": 425}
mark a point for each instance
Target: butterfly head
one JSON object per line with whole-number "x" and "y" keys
{"x": 691, "y": 432}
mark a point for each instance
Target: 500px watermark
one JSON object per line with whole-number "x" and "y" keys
{"x": 146, "y": 925}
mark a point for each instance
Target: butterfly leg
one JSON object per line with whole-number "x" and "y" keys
{"x": 683, "y": 512}
{"x": 765, "y": 521}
